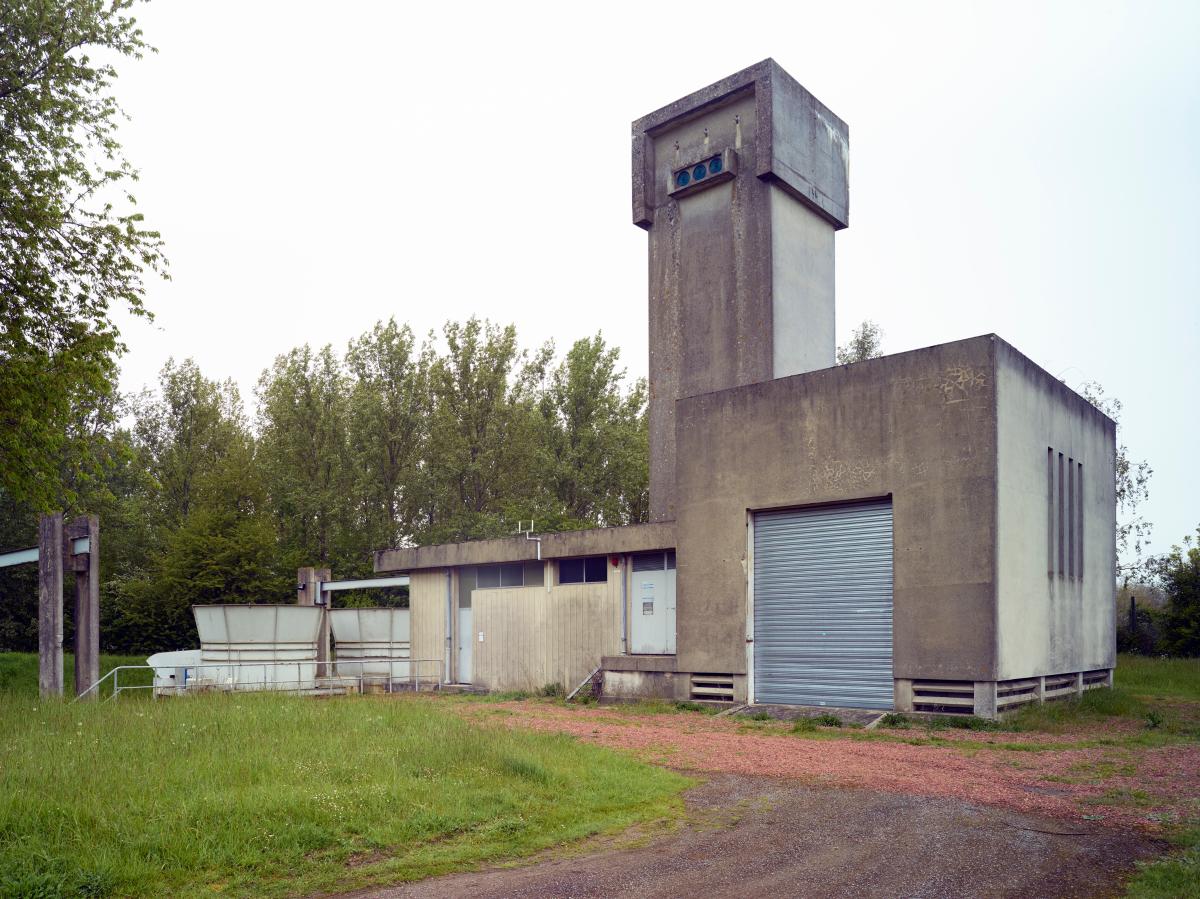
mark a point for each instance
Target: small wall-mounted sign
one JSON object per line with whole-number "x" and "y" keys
{"x": 481, "y": 636}
{"x": 647, "y": 608}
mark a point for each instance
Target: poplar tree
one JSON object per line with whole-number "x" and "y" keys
{"x": 72, "y": 245}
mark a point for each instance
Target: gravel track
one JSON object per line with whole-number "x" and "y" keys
{"x": 1117, "y": 785}
{"x": 769, "y": 837}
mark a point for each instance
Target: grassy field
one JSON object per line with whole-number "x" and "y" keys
{"x": 270, "y": 795}
{"x": 1170, "y": 688}
{"x": 19, "y": 674}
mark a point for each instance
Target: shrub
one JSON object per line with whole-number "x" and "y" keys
{"x": 894, "y": 719}
{"x": 1180, "y": 574}
{"x": 825, "y": 719}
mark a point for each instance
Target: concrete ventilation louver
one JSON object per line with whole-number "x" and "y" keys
{"x": 713, "y": 687}
{"x": 953, "y": 697}
{"x": 1013, "y": 693}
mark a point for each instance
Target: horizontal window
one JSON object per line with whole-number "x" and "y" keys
{"x": 592, "y": 570}
{"x": 509, "y": 574}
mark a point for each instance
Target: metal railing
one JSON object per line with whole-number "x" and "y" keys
{"x": 412, "y": 679}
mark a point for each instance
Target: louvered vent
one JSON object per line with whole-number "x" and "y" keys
{"x": 952, "y": 697}
{"x": 1013, "y": 693}
{"x": 713, "y": 687}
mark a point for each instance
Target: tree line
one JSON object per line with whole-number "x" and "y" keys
{"x": 392, "y": 442}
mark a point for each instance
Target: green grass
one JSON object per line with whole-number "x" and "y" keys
{"x": 1146, "y": 676}
{"x": 19, "y": 674}
{"x": 1175, "y": 877}
{"x": 270, "y": 795}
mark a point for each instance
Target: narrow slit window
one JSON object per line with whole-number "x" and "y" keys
{"x": 1062, "y": 520}
{"x": 1070, "y": 518}
{"x": 1050, "y": 511}
{"x": 1079, "y": 524}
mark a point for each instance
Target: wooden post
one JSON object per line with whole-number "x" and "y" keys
{"x": 308, "y": 585}
{"x": 87, "y": 599}
{"x": 50, "y": 604}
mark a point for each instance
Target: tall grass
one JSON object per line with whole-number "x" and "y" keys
{"x": 1149, "y": 676}
{"x": 19, "y": 673}
{"x": 271, "y": 795}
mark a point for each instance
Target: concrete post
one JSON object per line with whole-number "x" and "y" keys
{"x": 308, "y": 586}
{"x": 87, "y": 599}
{"x": 985, "y": 699}
{"x": 50, "y": 604}
{"x": 903, "y": 695}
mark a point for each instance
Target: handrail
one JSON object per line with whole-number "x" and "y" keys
{"x": 415, "y": 678}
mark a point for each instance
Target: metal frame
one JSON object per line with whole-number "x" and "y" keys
{"x": 31, "y": 554}
{"x": 414, "y": 680}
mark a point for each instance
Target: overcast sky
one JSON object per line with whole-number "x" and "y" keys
{"x": 1019, "y": 168}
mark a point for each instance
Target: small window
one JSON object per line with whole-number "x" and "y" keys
{"x": 595, "y": 569}
{"x": 512, "y": 575}
{"x": 535, "y": 574}
{"x": 670, "y": 560}
{"x": 570, "y": 571}
{"x": 592, "y": 570}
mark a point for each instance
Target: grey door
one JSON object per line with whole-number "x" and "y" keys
{"x": 823, "y": 606}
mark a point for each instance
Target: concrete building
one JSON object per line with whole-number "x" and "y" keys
{"x": 932, "y": 530}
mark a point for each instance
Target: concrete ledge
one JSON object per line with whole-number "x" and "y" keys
{"x": 638, "y": 663}
{"x": 565, "y": 544}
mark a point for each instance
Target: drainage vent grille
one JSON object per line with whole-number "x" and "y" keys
{"x": 1012, "y": 693}
{"x": 1059, "y": 685}
{"x": 953, "y": 697}
{"x": 718, "y": 687}
{"x": 1093, "y": 679}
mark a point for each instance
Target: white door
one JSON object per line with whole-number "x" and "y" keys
{"x": 652, "y": 612}
{"x": 465, "y": 639}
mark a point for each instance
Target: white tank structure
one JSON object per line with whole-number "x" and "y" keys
{"x": 253, "y": 647}
{"x": 173, "y": 671}
{"x": 372, "y": 644}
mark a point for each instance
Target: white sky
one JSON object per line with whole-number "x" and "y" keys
{"x": 1016, "y": 167}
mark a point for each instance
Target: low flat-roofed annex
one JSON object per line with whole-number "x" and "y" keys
{"x": 562, "y": 545}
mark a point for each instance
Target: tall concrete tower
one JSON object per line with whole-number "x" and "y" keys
{"x": 741, "y": 187}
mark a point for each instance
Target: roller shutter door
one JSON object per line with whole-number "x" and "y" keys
{"x": 823, "y": 606}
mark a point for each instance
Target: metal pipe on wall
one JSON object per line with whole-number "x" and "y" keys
{"x": 625, "y": 604}
{"x": 449, "y": 627}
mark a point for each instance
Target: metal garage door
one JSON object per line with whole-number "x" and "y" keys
{"x": 823, "y": 606}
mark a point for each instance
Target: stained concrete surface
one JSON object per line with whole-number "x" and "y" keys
{"x": 765, "y": 837}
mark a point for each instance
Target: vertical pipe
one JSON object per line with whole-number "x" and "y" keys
{"x": 449, "y": 628}
{"x": 50, "y": 604}
{"x": 625, "y": 567}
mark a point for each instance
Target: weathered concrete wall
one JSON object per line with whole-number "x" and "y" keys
{"x": 1052, "y": 622}
{"x": 802, "y": 285}
{"x": 734, "y": 298}
{"x": 427, "y": 615}
{"x": 918, "y": 426}
{"x": 534, "y": 636}
{"x": 566, "y": 544}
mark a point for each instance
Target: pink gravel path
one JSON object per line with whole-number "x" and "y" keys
{"x": 1167, "y": 779}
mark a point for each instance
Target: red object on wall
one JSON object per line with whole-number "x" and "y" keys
{"x": 616, "y": 561}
